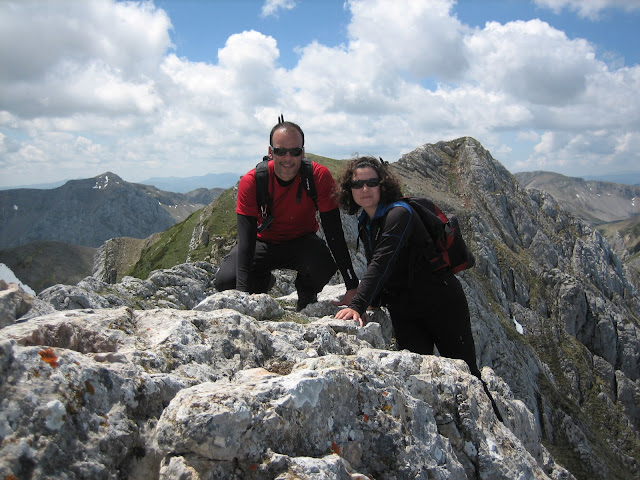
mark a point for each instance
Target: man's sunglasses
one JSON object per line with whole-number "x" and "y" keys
{"x": 281, "y": 151}
{"x": 369, "y": 182}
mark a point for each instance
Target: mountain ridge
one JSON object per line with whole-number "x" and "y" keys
{"x": 594, "y": 201}
{"x": 187, "y": 184}
{"x": 90, "y": 211}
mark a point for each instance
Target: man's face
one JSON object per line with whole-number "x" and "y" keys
{"x": 286, "y": 166}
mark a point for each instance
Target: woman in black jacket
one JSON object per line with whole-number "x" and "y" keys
{"x": 427, "y": 308}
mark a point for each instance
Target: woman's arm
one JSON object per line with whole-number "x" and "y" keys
{"x": 397, "y": 229}
{"x": 334, "y": 233}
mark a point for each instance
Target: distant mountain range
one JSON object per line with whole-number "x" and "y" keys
{"x": 50, "y": 235}
{"x": 630, "y": 178}
{"x": 87, "y": 212}
{"x": 187, "y": 184}
{"x": 168, "y": 184}
{"x": 594, "y": 201}
{"x": 226, "y": 180}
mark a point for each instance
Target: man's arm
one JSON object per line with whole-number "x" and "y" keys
{"x": 332, "y": 226}
{"x": 247, "y": 229}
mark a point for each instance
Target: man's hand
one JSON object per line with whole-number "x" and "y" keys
{"x": 346, "y": 298}
{"x": 351, "y": 314}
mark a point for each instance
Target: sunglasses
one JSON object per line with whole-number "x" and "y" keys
{"x": 281, "y": 151}
{"x": 369, "y": 182}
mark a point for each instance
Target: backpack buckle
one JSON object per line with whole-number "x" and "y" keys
{"x": 266, "y": 223}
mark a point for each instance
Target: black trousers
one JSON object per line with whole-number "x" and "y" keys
{"x": 434, "y": 312}
{"x": 307, "y": 255}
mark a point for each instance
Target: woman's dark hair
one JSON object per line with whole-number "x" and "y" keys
{"x": 284, "y": 124}
{"x": 390, "y": 189}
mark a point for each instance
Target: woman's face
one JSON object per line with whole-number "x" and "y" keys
{"x": 367, "y": 197}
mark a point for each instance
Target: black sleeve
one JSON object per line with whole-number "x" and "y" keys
{"x": 247, "y": 230}
{"x": 395, "y": 235}
{"x": 332, "y": 226}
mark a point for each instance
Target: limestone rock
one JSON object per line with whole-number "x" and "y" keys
{"x": 123, "y": 393}
{"x": 14, "y": 302}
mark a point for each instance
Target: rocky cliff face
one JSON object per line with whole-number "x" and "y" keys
{"x": 166, "y": 378}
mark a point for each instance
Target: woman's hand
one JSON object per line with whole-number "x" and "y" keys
{"x": 346, "y": 298}
{"x": 350, "y": 314}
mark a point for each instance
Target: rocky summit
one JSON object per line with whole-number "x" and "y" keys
{"x": 165, "y": 378}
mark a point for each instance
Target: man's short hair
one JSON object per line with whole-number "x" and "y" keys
{"x": 280, "y": 125}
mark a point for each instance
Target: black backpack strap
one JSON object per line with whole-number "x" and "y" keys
{"x": 262, "y": 192}
{"x": 262, "y": 188}
{"x": 262, "y": 184}
{"x": 306, "y": 182}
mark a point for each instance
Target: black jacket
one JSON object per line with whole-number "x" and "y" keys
{"x": 398, "y": 248}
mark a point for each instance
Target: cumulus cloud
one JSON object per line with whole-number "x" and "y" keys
{"x": 272, "y": 7}
{"x": 94, "y": 86}
{"x": 68, "y": 57}
{"x": 421, "y": 38}
{"x": 584, "y": 150}
{"x": 531, "y": 61}
{"x": 588, "y": 8}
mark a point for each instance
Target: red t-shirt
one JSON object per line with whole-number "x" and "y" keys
{"x": 290, "y": 219}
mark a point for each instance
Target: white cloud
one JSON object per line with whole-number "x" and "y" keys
{"x": 271, "y": 7}
{"x": 588, "y": 8}
{"x": 101, "y": 90}
{"x": 584, "y": 151}
{"x": 531, "y": 61}
{"x": 421, "y": 38}
{"x": 80, "y": 56}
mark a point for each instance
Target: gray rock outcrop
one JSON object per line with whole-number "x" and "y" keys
{"x": 14, "y": 303}
{"x": 122, "y": 393}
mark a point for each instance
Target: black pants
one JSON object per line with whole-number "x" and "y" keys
{"x": 307, "y": 255}
{"x": 434, "y": 312}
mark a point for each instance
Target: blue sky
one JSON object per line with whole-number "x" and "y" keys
{"x": 186, "y": 88}
{"x": 200, "y": 25}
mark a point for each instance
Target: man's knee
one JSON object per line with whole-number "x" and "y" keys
{"x": 317, "y": 261}
{"x": 226, "y": 276}
{"x": 223, "y": 283}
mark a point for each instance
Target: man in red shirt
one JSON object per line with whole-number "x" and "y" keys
{"x": 290, "y": 241}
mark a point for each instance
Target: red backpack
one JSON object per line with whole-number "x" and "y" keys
{"x": 453, "y": 252}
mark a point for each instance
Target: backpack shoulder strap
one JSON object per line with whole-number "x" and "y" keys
{"x": 306, "y": 182}
{"x": 262, "y": 193}
{"x": 400, "y": 203}
{"x": 262, "y": 186}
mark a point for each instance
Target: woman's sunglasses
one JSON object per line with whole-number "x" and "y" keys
{"x": 369, "y": 182}
{"x": 281, "y": 151}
